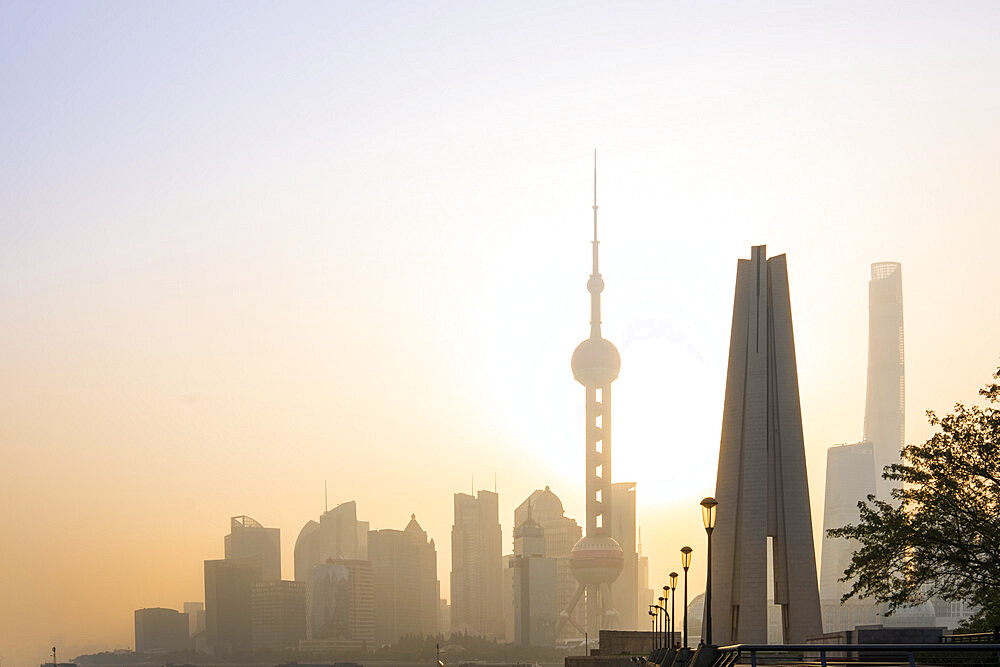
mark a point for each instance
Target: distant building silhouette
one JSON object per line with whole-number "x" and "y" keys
{"x": 228, "y": 586}
{"x": 646, "y": 594}
{"x": 885, "y": 397}
{"x": 196, "y": 616}
{"x": 340, "y": 600}
{"x": 762, "y": 486}
{"x": 278, "y": 615}
{"x": 561, "y": 533}
{"x": 248, "y": 539}
{"x": 625, "y": 589}
{"x": 850, "y": 478}
{"x": 534, "y": 581}
{"x": 407, "y": 591}
{"x": 159, "y": 629}
{"x": 855, "y": 471}
{"x": 338, "y": 534}
{"x": 476, "y": 597}
{"x": 596, "y": 560}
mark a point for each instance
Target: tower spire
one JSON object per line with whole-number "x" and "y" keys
{"x": 595, "y": 272}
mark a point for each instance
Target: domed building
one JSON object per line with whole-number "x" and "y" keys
{"x": 560, "y": 533}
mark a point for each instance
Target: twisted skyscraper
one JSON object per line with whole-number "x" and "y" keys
{"x": 596, "y": 560}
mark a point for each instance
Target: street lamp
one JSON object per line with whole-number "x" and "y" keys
{"x": 652, "y": 633}
{"x": 708, "y": 507}
{"x": 673, "y": 606}
{"x": 685, "y": 563}
{"x": 666, "y": 628}
{"x": 663, "y": 624}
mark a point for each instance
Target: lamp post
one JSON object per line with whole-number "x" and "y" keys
{"x": 673, "y": 606}
{"x": 685, "y": 563}
{"x": 652, "y": 633}
{"x": 670, "y": 617}
{"x": 708, "y": 507}
{"x": 666, "y": 617}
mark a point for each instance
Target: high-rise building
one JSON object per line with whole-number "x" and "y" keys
{"x": 340, "y": 601}
{"x": 561, "y": 534}
{"x": 338, "y": 534}
{"x": 476, "y": 596}
{"x": 646, "y": 594}
{"x": 762, "y": 488}
{"x": 159, "y": 629}
{"x": 534, "y": 587}
{"x": 596, "y": 560}
{"x": 228, "y": 586}
{"x": 196, "y": 616}
{"x": 885, "y": 395}
{"x": 248, "y": 539}
{"x": 850, "y": 478}
{"x": 407, "y": 592}
{"x": 278, "y": 615}
{"x": 625, "y": 589}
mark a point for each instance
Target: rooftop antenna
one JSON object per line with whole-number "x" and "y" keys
{"x": 494, "y": 481}
{"x": 326, "y": 505}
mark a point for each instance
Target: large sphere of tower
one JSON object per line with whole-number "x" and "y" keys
{"x": 596, "y": 362}
{"x": 596, "y": 559}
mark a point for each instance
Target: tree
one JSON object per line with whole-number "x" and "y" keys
{"x": 941, "y": 535}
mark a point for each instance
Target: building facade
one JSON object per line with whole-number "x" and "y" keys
{"x": 762, "y": 488}
{"x": 228, "y": 588}
{"x": 159, "y": 629}
{"x": 477, "y": 599}
{"x": 247, "y": 538}
{"x": 625, "y": 589}
{"x": 407, "y": 591}
{"x": 278, "y": 615}
{"x": 561, "y": 534}
{"x": 338, "y": 535}
{"x": 534, "y": 588}
{"x": 340, "y": 601}
{"x": 850, "y": 478}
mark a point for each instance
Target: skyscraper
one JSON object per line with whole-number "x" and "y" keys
{"x": 561, "y": 534}
{"x": 340, "y": 602}
{"x": 248, "y": 539}
{"x": 596, "y": 560}
{"x": 338, "y": 534}
{"x": 228, "y": 586}
{"x": 850, "y": 477}
{"x": 885, "y": 395}
{"x": 625, "y": 590}
{"x": 476, "y": 596}
{"x": 278, "y": 615}
{"x": 533, "y": 587}
{"x": 762, "y": 486}
{"x": 407, "y": 591}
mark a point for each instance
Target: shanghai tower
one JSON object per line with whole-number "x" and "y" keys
{"x": 885, "y": 398}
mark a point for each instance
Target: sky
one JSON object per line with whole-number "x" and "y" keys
{"x": 249, "y": 248}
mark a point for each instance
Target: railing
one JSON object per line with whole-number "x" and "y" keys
{"x": 972, "y": 638}
{"x": 930, "y": 654}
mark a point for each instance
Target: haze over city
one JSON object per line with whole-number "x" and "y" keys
{"x": 253, "y": 249}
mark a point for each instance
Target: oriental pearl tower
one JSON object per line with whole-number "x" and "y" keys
{"x": 597, "y": 559}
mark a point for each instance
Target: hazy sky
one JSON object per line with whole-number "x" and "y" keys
{"x": 249, "y": 247}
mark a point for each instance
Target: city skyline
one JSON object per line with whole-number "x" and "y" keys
{"x": 247, "y": 254}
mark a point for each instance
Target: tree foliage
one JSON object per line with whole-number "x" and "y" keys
{"x": 940, "y": 537}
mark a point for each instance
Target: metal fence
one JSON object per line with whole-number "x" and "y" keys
{"x": 964, "y": 654}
